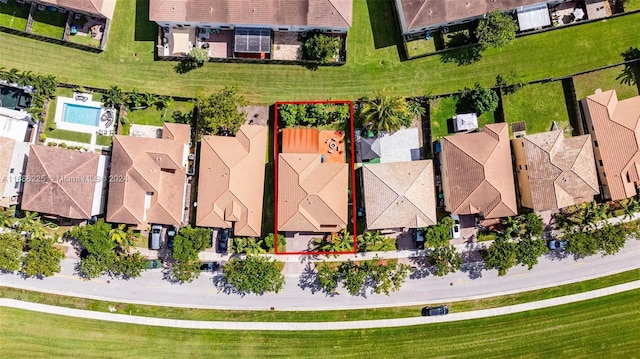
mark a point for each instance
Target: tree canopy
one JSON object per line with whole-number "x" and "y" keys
{"x": 218, "y": 113}
{"x": 444, "y": 260}
{"x": 481, "y": 99}
{"x": 11, "y": 245}
{"x": 187, "y": 244}
{"x": 253, "y": 274}
{"x": 438, "y": 235}
{"x": 199, "y": 56}
{"x": 42, "y": 258}
{"x": 320, "y": 47}
{"x": 358, "y": 277}
{"x": 385, "y": 113}
{"x": 501, "y": 255}
{"x": 497, "y": 29}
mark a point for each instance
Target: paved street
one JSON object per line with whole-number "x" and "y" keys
{"x": 474, "y": 282}
{"x": 356, "y": 324}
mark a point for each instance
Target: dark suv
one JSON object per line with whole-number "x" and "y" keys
{"x": 222, "y": 243}
{"x": 433, "y": 311}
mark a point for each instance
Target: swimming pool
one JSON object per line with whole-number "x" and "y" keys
{"x": 9, "y": 96}
{"x": 81, "y": 115}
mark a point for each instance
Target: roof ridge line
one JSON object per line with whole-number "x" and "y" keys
{"x": 338, "y": 11}
{"x": 417, "y": 13}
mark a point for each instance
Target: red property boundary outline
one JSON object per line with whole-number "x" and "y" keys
{"x": 276, "y": 141}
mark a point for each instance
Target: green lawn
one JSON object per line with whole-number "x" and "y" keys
{"x": 605, "y": 80}
{"x": 68, "y": 135}
{"x": 49, "y": 23}
{"x": 369, "y": 67}
{"x": 154, "y": 117}
{"x": 444, "y": 108}
{"x": 84, "y": 40}
{"x": 13, "y": 15}
{"x": 630, "y": 5}
{"x": 538, "y": 105}
{"x": 420, "y": 47}
{"x": 104, "y": 140}
{"x": 314, "y": 316}
{"x": 599, "y": 328}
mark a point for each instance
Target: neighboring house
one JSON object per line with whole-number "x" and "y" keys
{"x": 554, "y": 171}
{"x": 477, "y": 175}
{"x": 231, "y": 181}
{"x": 243, "y": 28}
{"x": 148, "y": 178}
{"x": 418, "y": 16}
{"x": 17, "y": 133}
{"x": 615, "y": 129}
{"x": 399, "y": 195}
{"x": 65, "y": 183}
{"x": 312, "y": 194}
{"x": 95, "y": 8}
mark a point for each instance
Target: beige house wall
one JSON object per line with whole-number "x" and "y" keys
{"x": 604, "y": 187}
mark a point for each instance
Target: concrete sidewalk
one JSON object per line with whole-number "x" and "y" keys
{"x": 302, "y": 326}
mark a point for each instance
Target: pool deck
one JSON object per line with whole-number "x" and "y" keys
{"x": 101, "y": 129}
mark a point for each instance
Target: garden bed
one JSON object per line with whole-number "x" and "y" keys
{"x": 442, "y": 111}
{"x": 538, "y": 106}
{"x": 14, "y": 15}
{"x": 606, "y": 79}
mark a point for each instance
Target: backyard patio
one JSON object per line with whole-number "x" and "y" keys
{"x": 287, "y": 46}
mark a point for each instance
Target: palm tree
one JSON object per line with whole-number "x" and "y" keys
{"x": 6, "y": 218}
{"x": 149, "y": 99}
{"x": 630, "y": 207}
{"x": 631, "y": 71}
{"x": 30, "y": 223}
{"x": 415, "y": 108}
{"x": 385, "y": 113}
{"x": 114, "y": 97}
{"x": 12, "y": 75}
{"x": 254, "y": 246}
{"x": 122, "y": 236}
{"x": 594, "y": 214}
{"x": 511, "y": 226}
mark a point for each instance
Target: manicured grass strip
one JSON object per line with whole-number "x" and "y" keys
{"x": 104, "y": 140}
{"x": 538, "y": 106}
{"x": 315, "y": 316}
{"x": 420, "y": 47}
{"x": 84, "y": 40}
{"x": 152, "y": 116}
{"x": 69, "y": 135}
{"x": 373, "y": 60}
{"x": 14, "y": 16}
{"x": 49, "y": 23}
{"x": 606, "y": 80}
{"x": 600, "y": 328}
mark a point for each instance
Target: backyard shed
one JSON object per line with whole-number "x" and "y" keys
{"x": 465, "y": 122}
{"x": 370, "y": 148}
{"x": 533, "y": 16}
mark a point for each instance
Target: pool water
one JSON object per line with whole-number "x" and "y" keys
{"x": 9, "y": 96}
{"x": 81, "y": 115}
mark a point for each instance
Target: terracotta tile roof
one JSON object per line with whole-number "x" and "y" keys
{"x": 561, "y": 170}
{"x": 61, "y": 182}
{"x": 312, "y": 196}
{"x": 320, "y": 13}
{"x": 415, "y": 14}
{"x": 616, "y": 127}
{"x": 399, "y": 195}
{"x": 231, "y": 181}
{"x": 479, "y": 172}
{"x": 177, "y": 132}
{"x": 139, "y": 166}
{"x": 97, "y": 7}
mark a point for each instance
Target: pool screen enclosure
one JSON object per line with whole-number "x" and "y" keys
{"x": 252, "y": 40}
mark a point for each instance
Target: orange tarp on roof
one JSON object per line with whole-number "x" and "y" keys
{"x": 300, "y": 140}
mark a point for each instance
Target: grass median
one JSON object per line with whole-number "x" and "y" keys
{"x": 599, "y": 328}
{"x": 315, "y": 316}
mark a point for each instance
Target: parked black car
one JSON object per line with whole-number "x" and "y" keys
{"x": 433, "y": 311}
{"x": 222, "y": 244}
{"x": 171, "y": 235}
{"x": 210, "y": 266}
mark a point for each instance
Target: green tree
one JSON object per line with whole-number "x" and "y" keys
{"x": 187, "y": 244}
{"x": 199, "y": 56}
{"x": 481, "y": 99}
{"x": 336, "y": 242}
{"x": 122, "y": 236}
{"x": 254, "y": 274}
{"x": 445, "y": 260}
{"x": 320, "y": 47}
{"x": 594, "y": 213}
{"x": 533, "y": 226}
{"x": 497, "y": 29}
{"x": 385, "y": 113}
{"x": 501, "y": 255}
{"x": 630, "y": 206}
{"x": 528, "y": 250}
{"x": 218, "y": 113}
{"x": 129, "y": 265}
{"x": 7, "y": 219}
{"x": 385, "y": 276}
{"x": 438, "y": 235}
{"x": 610, "y": 238}
{"x": 581, "y": 244}
{"x": 11, "y": 245}
{"x": 42, "y": 258}
{"x": 113, "y": 97}
{"x": 511, "y": 226}
{"x": 353, "y": 277}
{"x": 328, "y": 277}
{"x": 270, "y": 241}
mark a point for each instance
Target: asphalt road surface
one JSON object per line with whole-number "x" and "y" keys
{"x": 422, "y": 288}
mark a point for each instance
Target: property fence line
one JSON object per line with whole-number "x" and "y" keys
{"x": 524, "y": 34}
{"x": 50, "y": 39}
